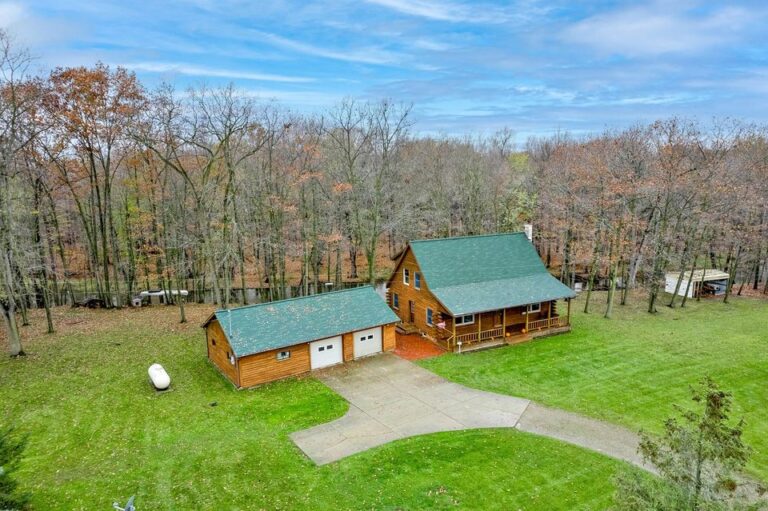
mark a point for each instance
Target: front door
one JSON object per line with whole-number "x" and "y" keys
{"x": 411, "y": 311}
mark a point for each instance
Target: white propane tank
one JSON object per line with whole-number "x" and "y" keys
{"x": 159, "y": 377}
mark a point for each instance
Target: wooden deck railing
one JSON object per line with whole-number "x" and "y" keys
{"x": 483, "y": 335}
{"x": 548, "y": 323}
{"x": 451, "y": 342}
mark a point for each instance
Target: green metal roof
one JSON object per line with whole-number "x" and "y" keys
{"x": 268, "y": 326}
{"x": 482, "y": 273}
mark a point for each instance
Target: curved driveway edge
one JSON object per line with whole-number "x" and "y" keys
{"x": 391, "y": 398}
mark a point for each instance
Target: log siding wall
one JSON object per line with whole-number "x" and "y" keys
{"x": 423, "y": 299}
{"x": 259, "y": 368}
{"x": 388, "y": 338}
{"x": 264, "y": 367}
{"x": 219, "y": 351}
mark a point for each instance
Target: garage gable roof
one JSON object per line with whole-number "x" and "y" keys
{"x": 480, "y": 273}
{"x": 268, "y": 326}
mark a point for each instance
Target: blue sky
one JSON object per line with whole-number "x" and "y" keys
{"x": 467, "y": 67}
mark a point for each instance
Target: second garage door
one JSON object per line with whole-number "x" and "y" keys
{"x": 367, "y": 342}
{"x": 325, "y": 353}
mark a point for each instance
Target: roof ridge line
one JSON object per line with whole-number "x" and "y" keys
{"x": 293, "y": 299}
{"x": 469, "y": 236}
{"x": 545, "y": 272}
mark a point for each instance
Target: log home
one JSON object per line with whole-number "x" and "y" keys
{"x": 259, "y": 343}
{"x": 465, "y": 291}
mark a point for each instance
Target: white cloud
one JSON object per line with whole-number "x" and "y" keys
{"x": 10, "y": 14}
{"x": 298, "y": 98}
{"x": 31, "y": 30}
{"x": 185, "y": 69}
{"x": 426, "y": 9}
{"x": 365, "y": 56}
{"x": 655, "y": 30}
{"x": 431, "y": 45}
{"x": 447, "y": 11}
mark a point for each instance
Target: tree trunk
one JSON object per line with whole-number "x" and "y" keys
{"x": 592, "y": 271}
{"x": 733, "y": 269}
{"x": 8, "y": 307}
{"x": 690, "y": 280}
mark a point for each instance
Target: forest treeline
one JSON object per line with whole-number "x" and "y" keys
{"x": 108, "y": 186}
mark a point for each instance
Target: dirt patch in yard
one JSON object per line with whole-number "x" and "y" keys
{"x": 415, "y": 347}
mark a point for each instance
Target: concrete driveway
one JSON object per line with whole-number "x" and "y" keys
{"x": 391, "y": 398}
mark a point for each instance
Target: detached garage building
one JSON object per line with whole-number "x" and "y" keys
{"x": 260, "y": 343}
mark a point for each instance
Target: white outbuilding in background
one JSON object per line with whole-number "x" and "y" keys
{"x": 704, "y": 282}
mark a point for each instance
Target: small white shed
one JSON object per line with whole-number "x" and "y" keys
{"x": 704, "y": 282}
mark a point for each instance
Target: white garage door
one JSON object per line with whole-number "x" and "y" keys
{"x": 367, "y": 342}
{"x": 325, "y": 353}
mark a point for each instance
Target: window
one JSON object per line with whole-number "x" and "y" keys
{"x": 417, "y": 280}
{"x": 213, "y": 341}
{"x": 429, "y": 316}
{"x": 466, "y": 319}
{"x": 395, "y": 301}
{"x": 321, "y": 348}
{"x": 329, "y": 347}
{"x": 534, "y": 307}
{"x": 406, "y": 277}
{"x": 284, "y": 355}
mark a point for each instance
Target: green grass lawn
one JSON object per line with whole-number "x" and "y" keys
{"x": 631, "y": 369}
{"x": 98, "y": 433}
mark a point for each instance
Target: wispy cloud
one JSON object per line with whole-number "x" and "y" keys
{"x": 30, "y": 29}
{"x": 657, "y": 29}
{"x": 366, "y": 55}
{"x": 297, "y": 98}
{"x": 10, "y": 13}
{"x": 185, "y": 69}
{"x": 466, "y": 64}
{"x": 446, "y": 11}
{"x": 430, "y": 44}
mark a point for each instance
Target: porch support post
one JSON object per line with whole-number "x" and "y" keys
{"x": 504, "y": 323}
{"x": 527, "y": 312}
{"x": 479, "y": 319}
{"x": 569, "y": 311}
{"x": 453, "y": 324}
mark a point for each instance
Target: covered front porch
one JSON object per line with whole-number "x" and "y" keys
{"x": 516, "y": 324}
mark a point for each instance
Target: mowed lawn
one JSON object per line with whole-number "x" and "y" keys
{"x": 633, "y": 368}
{"x": 98, "y": 433}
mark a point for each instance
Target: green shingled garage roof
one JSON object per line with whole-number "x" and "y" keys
{"x": 267, "y": 326}
{"x": 482, "y": 273}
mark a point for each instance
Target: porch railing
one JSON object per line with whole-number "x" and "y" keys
{"x": 548, "y": 323}
{"x": 483, "y": 335}
{"x": 451, "y": 342}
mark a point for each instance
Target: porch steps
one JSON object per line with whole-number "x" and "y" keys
{"x": 407, "y": 329}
